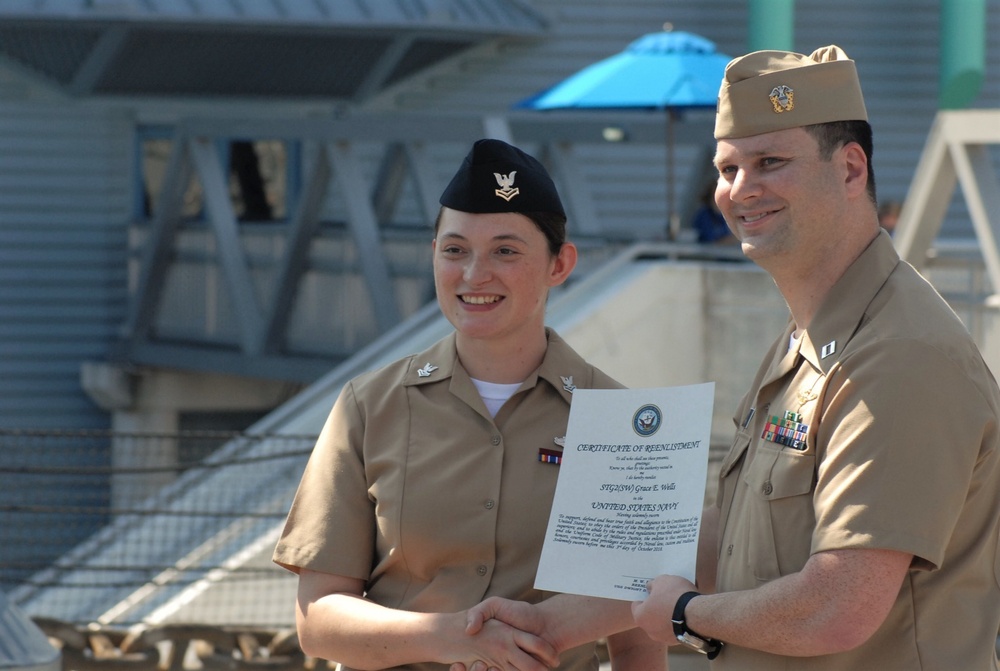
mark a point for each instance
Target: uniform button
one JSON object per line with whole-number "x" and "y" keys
{"x": 729, "y": 550}
{"x": 489, "y": 504}
{"x": 481, "y": 570}
{"x": 768, "y": 488}
{"x": 495, "y": 440}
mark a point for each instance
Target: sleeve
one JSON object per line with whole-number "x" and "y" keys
{"x": 331, "y": 524}
{"x": 899, "y": 438}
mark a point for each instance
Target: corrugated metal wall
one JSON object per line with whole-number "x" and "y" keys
{"x": 64, "y": 196}
{"x": 65, "y": 173}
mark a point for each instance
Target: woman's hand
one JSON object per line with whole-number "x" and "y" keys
{"x": 497, "y": 646}
{"x": 335, "y": 621}
{"x": 517, "y": 614}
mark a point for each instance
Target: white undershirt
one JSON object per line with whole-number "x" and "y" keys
{"x": 791, "y": 341}
{"x": 494, "y": 395}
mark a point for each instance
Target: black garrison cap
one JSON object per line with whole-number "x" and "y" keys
{"x": 497, "y": 177}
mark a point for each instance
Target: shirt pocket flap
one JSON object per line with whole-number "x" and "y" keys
{"x": 777, "y": 473}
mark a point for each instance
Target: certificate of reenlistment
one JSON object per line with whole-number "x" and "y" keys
{"x": 631, "y": 488}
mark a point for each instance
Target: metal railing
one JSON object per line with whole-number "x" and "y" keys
{"x": 65, "y": 496}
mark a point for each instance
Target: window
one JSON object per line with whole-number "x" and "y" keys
{"x": 262, "y": 176}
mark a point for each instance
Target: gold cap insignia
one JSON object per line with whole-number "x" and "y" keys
{"x": 782, "y": 99}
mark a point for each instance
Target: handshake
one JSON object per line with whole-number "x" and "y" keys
{"x": 531, "y": 637}
{"x": 336, "y": 622}
{"x": 526, "y": 626}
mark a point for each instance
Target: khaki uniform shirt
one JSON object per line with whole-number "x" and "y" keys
{"x": 878, "y": 429}
{"x": 413, "y": 488}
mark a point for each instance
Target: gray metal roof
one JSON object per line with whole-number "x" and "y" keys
{"x": 483, "y": 15}
{"x": 332, "y": 49}
{"x": 23, "y": 646}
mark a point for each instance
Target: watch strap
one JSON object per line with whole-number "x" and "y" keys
{"x": 686, "y": 635}
{"x": 680, "y": 624}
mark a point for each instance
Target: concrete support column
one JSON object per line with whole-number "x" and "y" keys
{"x": 142, "y": 464}
{"x": 146, "y": 406}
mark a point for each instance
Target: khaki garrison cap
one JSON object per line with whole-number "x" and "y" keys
{"x": 773, "y": 90}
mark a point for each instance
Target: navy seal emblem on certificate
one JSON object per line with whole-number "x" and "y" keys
{"x": 647, "y": 420}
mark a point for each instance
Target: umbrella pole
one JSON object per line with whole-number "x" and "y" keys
{"x": 673, "y": 218}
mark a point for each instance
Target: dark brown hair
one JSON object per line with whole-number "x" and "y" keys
{"x": 835, "y": 134}
{"x": 551, "y": 224}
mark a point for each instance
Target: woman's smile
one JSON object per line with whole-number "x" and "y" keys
{"x": 480, "y": 300}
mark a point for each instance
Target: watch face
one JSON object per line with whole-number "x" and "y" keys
{"x": 694, "y": 642}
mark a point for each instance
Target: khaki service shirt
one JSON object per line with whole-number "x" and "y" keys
{"x": 413, "y": 488}
{"x": 878, "y": 429}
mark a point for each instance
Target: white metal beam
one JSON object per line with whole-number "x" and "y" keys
{"x": 956, "y": 152}
{"x": 159, "y": 243}
{"x": 364, "y": 228}
{"x": 422, "y": 172}
{"x": 230, "y": 252}
{"x": 582, "y": 214}
{"x": 295, "y": 261}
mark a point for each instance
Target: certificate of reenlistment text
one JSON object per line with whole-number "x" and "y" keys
{"x": 630, "y": 492}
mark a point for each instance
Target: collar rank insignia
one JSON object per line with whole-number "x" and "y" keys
{"x": 426, "y": 370}
{"x": 782, "y": 99}
{"x": 787, "y": 430}
{"x": 547, "y": 456}
{"x": 567, "y": 381}
{"x": 507, "y": 189}
{"x": 828, "y": 349}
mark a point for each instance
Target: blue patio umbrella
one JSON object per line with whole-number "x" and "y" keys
{"x": 670, "y": 71}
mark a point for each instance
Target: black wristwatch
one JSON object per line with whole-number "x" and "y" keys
{"x": 703, "y": 644}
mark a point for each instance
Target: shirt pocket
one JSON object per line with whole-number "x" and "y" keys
{"x": 740, "y": 444}
{"x": 727, "y": 483}
{"x": 780, "y": 482}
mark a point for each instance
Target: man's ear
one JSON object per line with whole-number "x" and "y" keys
{"x": 856, "y": 169}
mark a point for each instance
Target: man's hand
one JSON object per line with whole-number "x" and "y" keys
{"x": 565, "y": 621}
{"x": 655, "y": 613}
{"x": 518, "y": 614}
{"x": 530, "y": 653}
